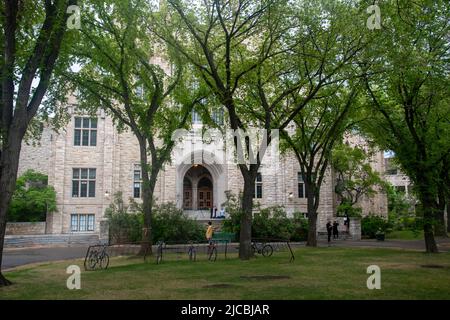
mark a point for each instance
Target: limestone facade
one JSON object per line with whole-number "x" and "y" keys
{"x": 115, "y": 158}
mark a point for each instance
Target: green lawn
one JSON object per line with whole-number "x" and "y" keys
{"x": 320, "y": 273}
{"x": 404, "y": 235}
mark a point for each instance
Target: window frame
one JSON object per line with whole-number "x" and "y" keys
{"x": 85, "y": 135}
{"x": 82, "y": 222}
{"x": 78, "y": 181}
{"x": 137, "y": 183}
{"x": 258, "y": 192}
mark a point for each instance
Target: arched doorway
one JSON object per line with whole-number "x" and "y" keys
{"x": 205, "y": 193}
{"x": 198, "y": 189}
{"x": 187, "y": 194}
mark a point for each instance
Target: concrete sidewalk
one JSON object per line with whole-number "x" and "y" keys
{"x": 18, "y": 257}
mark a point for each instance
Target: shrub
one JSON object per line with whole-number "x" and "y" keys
{"x": 168, "y": 223}
{"x": 32, "y": 198}
{"x": 371, "y": 224}
{"x": 301, "y": 227}
{"x": 270, "y": 222}
{"x": 172, "y": 225}
{"x": 125, "y": 225}
{"x": 346, "y": 208}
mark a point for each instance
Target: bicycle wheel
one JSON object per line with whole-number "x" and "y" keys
{"x": 93, "y": 259}
{"x": 253, "y": 250}
{"x": 267, "y": 250}
{"x": 192, "y": 254}
{"x": 213, "y": 254}
{"x": 104, "y": 261}
{"x": 159, "y": 257}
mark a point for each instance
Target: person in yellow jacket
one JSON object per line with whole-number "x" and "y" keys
{"x": 209, "y": 232}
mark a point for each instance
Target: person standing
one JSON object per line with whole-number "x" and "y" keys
{"x": 347, "y": 223}
{"x": 329, "y": 229}
{"x": 335, "y": 230}
{"x": 209, "y": 232}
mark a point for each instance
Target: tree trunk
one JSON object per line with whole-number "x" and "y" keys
{"x": 440, "y": 228}
{"x": 246, "y": 219}
{"x": 312, "y": 215}
{"x": 428, "y": 208}
{"x": 312, "y": 229}
{"x": 9, "y": 163}
{"x": 147, "y": 201}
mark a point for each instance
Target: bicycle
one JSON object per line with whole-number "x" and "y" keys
{"x": 212, "y": 251}
{"x": 97, "y": 257}
{"x": 159, "y": 252}
{"x": 192, "y": 252}
{"x": 262, "y": 248}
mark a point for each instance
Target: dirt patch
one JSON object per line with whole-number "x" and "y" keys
{"x": 265, "y": 277}
{"x": 433, "y": 266}
{"x": 219, "y": 286}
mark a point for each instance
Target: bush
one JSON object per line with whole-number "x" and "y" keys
{"x": 270, "y": 222}
{"x": 346, "y": 208}
{"x": 172, "y": 225}
{"x": 125, "y": 225}
{"x": 370, "y": 225}
{"x": 32, "y": 198}
{"x": 168, "y": 223}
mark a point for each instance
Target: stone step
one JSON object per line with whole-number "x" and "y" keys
{"x": 50, "y": 240}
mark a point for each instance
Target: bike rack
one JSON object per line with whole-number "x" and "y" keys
{"x": 272, "y": 242}
{"x": 95, "y": 249}
{"x": 186, "y": 248}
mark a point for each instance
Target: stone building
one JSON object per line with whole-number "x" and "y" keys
{"x": 89, "y": 161}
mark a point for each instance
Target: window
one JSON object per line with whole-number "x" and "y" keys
{"x": 140, "y": 91}
{"x": 401, "y": 189}
{"x": 83, "y": 183}
{"x": 85, "y": 132}
{"x": 217, "y": 117}
{"x": 196, "y": 117}
{"x": 301, "y": 185}
{"x": 82, "y": 222}
{"x": 137, "y": 181}
{"x": 258, "y": 186}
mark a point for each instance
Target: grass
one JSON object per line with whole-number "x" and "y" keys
{"x": 317, "y": 273}
{"x": 404, "y": 235}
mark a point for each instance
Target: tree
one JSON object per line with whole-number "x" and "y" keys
{"x": 408, "y": 98}
{"x": 317, "y": 129}
{"x": 355, "y": 176}
{"x": 116, "y": 73}
{"x": 32, "y": 199}
{"x": 243, "y": 51}
{"x": 329, "y": 31}
{"x": 31, "y": 41}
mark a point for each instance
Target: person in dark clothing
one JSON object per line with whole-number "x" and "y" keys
{"x": 329, "y": 229}
{"x": 347, "y": 222}
{"x": 335, "y": 230}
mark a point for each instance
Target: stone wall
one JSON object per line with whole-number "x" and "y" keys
{"x": 36, "y": 155}
{"x": 25, "y": 228}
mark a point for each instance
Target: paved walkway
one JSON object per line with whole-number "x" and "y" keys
{"x": 17, "y": 257}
